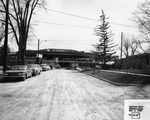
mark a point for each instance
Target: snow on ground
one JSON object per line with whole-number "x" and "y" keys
{"x": 63, "y": 95}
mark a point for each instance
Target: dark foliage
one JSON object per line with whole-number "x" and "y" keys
{"x": 105, "y": 47}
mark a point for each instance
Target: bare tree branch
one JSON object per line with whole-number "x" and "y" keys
{"x": 21, "y": 12}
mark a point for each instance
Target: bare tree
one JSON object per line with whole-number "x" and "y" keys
{"x": 126, "y": 46}
{"x": 142, "y": 18}
{"x": 135, "y": 44}
{"x": 20, "y": 15}
{"x": 131, "y": 45}
{"x": 2, "y": 32}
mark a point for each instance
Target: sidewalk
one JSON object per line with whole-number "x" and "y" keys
{"x": 144, "y": 75}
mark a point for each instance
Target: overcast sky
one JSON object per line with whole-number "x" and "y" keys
{"x": 79, "y": 34}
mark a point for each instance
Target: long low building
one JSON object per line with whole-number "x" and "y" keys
{"x": 58, "y": 57}
{"x": 63, "y": 57}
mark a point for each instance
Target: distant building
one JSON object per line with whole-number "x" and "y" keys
{"x": 141, "y": 61}
{"x": 65, "y": 57}
{"x": 58, "y": 57}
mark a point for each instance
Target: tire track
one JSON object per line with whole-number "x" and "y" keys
{"x": 92, "y": 102}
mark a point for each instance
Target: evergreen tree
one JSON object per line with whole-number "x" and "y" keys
{"x": 105, "y": 47}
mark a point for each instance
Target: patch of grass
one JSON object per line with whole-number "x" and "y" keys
{"x": 146, "y": 71}
{"x": 119, "y": 77}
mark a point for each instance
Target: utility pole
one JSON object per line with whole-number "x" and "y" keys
{"x": 38, "y": 60}
{"x": 6, "y": 38}
{"x": 121, "y": 44}
{"x": 38, "y": 50}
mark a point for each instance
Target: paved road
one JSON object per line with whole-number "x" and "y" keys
{"x": 62, "y": 95}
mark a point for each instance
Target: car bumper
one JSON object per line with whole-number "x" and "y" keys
{"x": 44, "y": 69}
{"x": 13, "y": 77}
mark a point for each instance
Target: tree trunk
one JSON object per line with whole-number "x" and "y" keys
{"x": 18, "y": 57}
{"x": 23, "y": 57}
{"x": 22, "y": 49}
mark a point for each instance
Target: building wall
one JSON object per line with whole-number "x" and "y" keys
{"x": 134, "y": 62}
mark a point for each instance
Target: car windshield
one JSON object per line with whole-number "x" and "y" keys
{"x": 1, "y": 67}
{"x": 32, "y": 65}
{"x": 18, "y": 67}
{"x": 44, "y": 65}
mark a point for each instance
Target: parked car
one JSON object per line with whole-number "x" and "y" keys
{"x": 36, "y": 69}
{"x": 58, "y": 66}
{"x": 1, "y": 72}
{"x": 45, "y": 67}
{"x": 18, "y": 71}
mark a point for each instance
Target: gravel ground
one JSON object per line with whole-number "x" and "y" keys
{"x": 64, "y": 95}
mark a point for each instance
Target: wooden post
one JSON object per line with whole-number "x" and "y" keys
{"x": 38, "y": 60}
{"x": 121, "y": 44}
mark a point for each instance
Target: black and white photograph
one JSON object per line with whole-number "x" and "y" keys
{"x": 74, "y": 59}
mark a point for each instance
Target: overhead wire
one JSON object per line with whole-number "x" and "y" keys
{"x": 87, "y": 18}
{"x": 78, "y": 16}
{"x": 69, "y": 25}
{"x": 67, "y": 40}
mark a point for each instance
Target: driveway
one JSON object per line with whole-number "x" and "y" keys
{"x": 63, "y": 95}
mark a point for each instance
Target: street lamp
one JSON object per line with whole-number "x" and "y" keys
{"x": 39, "y": 42}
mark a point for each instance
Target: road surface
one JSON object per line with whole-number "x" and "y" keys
{"x": 62, "y": 95}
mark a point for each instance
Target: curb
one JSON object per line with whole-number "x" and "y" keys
{"x": 114, "y": 83}
{"x": 130, "y": 73}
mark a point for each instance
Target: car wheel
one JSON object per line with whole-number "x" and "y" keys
{"x": 31, "y": 75}
{"x": 35, "y": 74}
{"x": 24, "y": 78}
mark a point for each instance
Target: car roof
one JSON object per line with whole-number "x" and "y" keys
{"x": 44, "y": 64}
{"x": 19, "y": 65}
{"x": 32, "y": 64}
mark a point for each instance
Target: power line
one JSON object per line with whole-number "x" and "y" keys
{"x": 81, "y": 26}
{"x": 65, "y": 25}
{"x": 87, "y": 18}
{"x": 123, "y": 25}
{"x": 68, "y": 40}
{"x": 69, "y": 14}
